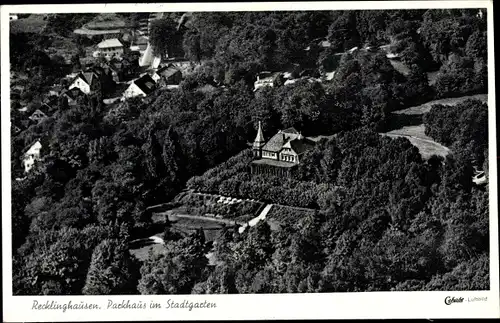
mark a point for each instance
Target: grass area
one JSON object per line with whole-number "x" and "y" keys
{"x": 186, "y": 225}
{"x": 415, "y": 133}
{"x": 411, "y": 131}
{"x": 106, "y": 21}
{"x": 426, "y": 107}
{"x": 426, "y": 147}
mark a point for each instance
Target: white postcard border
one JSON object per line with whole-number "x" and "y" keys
{"x": 265, "y": 306}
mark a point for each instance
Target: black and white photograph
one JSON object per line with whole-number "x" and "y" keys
{"x": 249, "y": 152}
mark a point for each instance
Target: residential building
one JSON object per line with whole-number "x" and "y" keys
{"x": 31, "y": 156}
{"x": 265, "y": 79}
{"x": 109, "y": 48}
{"x": 143, "y": 86}
{"x": 72, "y": 95}
{"x": 167, "y": 75}
{"x": 280, "y": 153}
{"x": 87, "y": 82}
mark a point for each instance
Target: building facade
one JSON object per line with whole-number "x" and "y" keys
{"x": 110, "y": 48}
{"x": 280, "y": 153}
{"x": 87, "y": 82}
{"x": 141, "y": 87}
{"x": 31, "y": 156}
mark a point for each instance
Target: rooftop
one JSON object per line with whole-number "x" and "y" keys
{"x": 109, "y": 43}
{"x": 145, "y": 83}
{"x": 167, "y": 71}
{"x": 278, "y": 140}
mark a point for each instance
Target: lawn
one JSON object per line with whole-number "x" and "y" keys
{"x": 186, "y": 224}
{"x": 415, "y": 131}
{"x": 426, "y": 146}
{"x": 426, "y": 107}
{"x": 182, "y": 225}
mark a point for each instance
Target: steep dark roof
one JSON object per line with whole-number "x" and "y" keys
{"x": 301, "y": 145}
{"x": 290, "y": 137}
{"x": 275, "y": 143}
{"x": 167, "y": 71}
{"x": 145, "y": 83}
{"x": 73, "y": 93}
{"x": 88, "y": 77}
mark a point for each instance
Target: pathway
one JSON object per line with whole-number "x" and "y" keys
{"x": 254, "y": 221}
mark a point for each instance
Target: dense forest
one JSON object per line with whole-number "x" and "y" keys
{"x": 385, "y": 218}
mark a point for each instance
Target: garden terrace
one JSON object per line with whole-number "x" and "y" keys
{"x": 220, "y": 207}
{"x": 233, "y": 178}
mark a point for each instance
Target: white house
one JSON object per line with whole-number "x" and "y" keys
{"x": 265, "y": 79}
{"x": 32, "y": 155}
{"x": 140, "y": 87}
{"x": 84, "y": 81}
{"x": 109, "y": 48}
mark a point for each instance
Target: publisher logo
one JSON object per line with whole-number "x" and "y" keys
{"x": 450, "y": 300}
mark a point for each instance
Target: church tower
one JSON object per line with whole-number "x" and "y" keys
{"x": 258, "y": 143}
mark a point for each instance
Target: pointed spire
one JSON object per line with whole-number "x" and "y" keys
{"x": 260, "y": 137}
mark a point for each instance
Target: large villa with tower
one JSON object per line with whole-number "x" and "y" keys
{"x": 279, "y": 154}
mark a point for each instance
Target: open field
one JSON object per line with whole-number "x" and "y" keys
{"x": 426, "y": 147}
{"x": 408, "y": 124}
{"x": 426, "y": 107}
{"x": 187, "y": 223}
{"x": 183, "y": 225}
